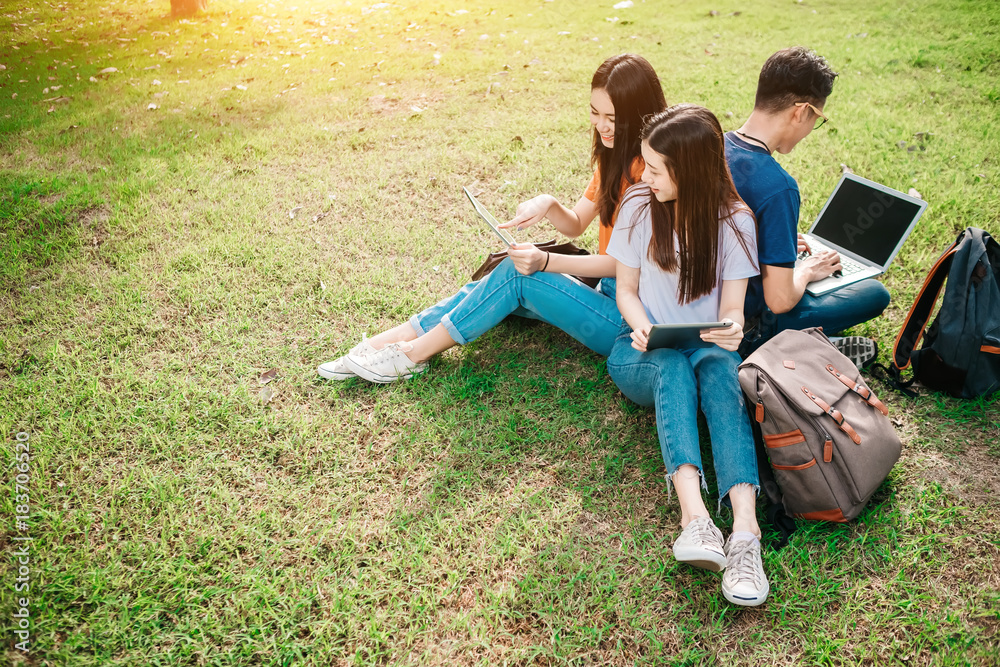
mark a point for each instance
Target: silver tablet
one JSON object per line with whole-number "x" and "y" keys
{"x": 681, "y": 335}
{"x": 490, "y": 220}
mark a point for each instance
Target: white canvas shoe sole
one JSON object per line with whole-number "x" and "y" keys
{"x": 743, "y": 598}
{"x": 372, "y": 376}
{"x": 335, "y": 370}
{"x": 707, "y": 559}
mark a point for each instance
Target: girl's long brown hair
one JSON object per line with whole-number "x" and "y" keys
{"x": 635, "y": 91}
{"x": 689, "y": 139}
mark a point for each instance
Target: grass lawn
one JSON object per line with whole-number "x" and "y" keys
{"x": 257, "y": 187}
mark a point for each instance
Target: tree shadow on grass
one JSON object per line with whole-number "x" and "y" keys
{"x": 41, "y": 221}
{"x": 89, "y": 142}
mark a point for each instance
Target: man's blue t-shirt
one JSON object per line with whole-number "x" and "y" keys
{"x": 773, "y": 196}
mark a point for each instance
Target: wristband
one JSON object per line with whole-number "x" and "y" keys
{"x": 547, "y": 256}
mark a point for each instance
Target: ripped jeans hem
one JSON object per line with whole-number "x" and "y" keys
{"x": 756, "y": 492}
{"x": 704, "y": 486}
{"x": 670, "y": 482}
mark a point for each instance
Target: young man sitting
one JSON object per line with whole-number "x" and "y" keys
{"x": 791, "y": 93}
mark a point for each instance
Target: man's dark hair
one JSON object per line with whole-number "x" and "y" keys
{"x": 793, "y": 75}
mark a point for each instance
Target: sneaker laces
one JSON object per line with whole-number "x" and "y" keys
{"x": 385, "y": 353}
{"x": 701, "y": 530}
{"x": 363, "y": 349}
{"x": 390, "y": 351}
{"x": 742, "y": 562}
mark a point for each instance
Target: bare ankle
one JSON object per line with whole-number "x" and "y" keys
{"x": 746, "y": 527}
{"x": 380, "y": 341}
{"x": 402, "y": 333}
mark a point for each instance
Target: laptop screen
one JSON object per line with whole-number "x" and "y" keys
{"x": 867, "y": 221}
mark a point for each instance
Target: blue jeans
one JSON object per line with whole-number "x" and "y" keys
{"x": 590, "y": 316}
{"x": 834, "y": 311}
{"x": 672, "y": 381}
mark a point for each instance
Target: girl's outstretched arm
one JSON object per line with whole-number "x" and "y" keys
{"x": 528, "y": 259}
{"x": 730, "y": 309}
{"x": 631, "y": 307}
{"x": 569, "y": 222}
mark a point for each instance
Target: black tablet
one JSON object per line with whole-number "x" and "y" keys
{"x": 681, "y": 335}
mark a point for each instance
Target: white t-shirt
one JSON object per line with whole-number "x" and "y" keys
{"x": 658, "y": 288}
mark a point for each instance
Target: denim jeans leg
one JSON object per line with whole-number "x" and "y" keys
{"x": 726, "y": 415}
{"x": 430, "y": 317}
{"x": 662, "y": 379}
{"x": 837, "y": 310}
{"x": 585, "y": 314}
{"x": 609, "y": 288}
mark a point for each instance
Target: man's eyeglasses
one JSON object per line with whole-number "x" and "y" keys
{"x": 822, "y": 119}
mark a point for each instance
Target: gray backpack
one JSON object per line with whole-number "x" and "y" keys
{"x": 960, "y": 354}
{"x": 827, "y": 436}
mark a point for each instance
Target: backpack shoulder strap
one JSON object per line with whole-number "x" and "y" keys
{"x": 913, "y": 326}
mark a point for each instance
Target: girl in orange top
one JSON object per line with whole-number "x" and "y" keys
{"x": 530, "y": 282}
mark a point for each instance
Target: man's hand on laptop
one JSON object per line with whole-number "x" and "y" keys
{"x": 803, "y": 246}
{"x": 529, "y": 212}
{"x": 819, "y": 266}
{"x": 527, "y": 258}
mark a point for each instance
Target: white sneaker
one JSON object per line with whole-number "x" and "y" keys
{"x": 337, "y": 369}
{"x": 744, "y": 582}
{"x": 386, "y": 365}
{"x": 700, "y": 544}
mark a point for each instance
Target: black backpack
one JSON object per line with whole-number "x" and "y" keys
{"x": 960, "y": 354}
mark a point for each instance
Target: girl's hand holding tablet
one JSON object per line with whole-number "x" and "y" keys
{"x": 728, "y": 338}
{"x": 640, "y": 338}
{"x": 527, "y": 258}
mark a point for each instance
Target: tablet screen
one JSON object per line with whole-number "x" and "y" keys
{"x": 681, "y": 335}
{"x": 490, "y": 220}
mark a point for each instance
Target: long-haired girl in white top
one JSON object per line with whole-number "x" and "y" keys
{"x": 685, "y": 245}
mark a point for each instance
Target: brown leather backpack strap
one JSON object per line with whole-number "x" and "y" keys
{"x": 835, "y": 414}
{"x": 566, "y": 248}
{"x": 859, "y": 389}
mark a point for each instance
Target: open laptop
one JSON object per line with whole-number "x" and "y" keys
{"x": 866, "y": 223}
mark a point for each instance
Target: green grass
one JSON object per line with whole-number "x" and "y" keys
{"x": 507, "y": 507}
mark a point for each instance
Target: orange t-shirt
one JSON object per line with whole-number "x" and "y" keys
{"x": 604, "y": 232}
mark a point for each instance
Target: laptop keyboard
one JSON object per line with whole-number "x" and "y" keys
{"x": 849, "y": 266}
